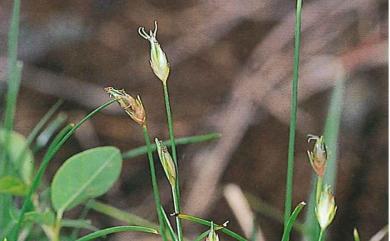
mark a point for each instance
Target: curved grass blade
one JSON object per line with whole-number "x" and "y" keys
{"x": 179, "y": 141}
{"x": 262, "y": 207}
{"x": 38, "y": 127}
{"x": 117, "y": 229}
{"x": 208, "y": 223}
{"x": 49, "y": 132}
{"x": 52, "y": 150}
{"x": 291, "y": 221}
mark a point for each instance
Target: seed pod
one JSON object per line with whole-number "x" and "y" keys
{"x": 158, "y": 59}
{"x": 318, "y": 156}
{"x": 326, "y": 208}
{"x": 132, "y": 106}
{"x": 166, "y": 162}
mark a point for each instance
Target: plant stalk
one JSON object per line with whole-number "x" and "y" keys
{"x": 293, "y": 116}
{"x": 156, "y": 193}
{"x": 176, "y": 192}
{"x": 321, "y": 237}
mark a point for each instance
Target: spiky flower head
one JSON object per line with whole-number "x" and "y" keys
{"x": 319, "y": 155}
{"x": 132, "y": 106}
{"x": 158, "y": 59}
{"x": 213, "y": 236}
{"x": 325, "y": 208}
{"x": 166, "y": 162}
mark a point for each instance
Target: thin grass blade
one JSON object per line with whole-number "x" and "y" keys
{"x": 179, "y": 141}
{"x": 117, "y": 229}
{"x": 118, "y": 214}
{"x": 291, "y": 221}
{"x": 208, "y": 223}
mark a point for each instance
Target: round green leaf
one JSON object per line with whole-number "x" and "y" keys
{"x": 24, "y": 164}
{"x": 85, "y": 175}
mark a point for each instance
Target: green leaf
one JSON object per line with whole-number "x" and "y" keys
{"x": 24, "y": 166}
{"x": 13, "y": 185}
{"x": 118, "y": 229}
{"x": 85, "y": 175}
{"x": 46, "y": 217}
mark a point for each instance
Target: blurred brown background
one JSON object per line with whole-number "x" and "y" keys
{"x": 231, "y": 63}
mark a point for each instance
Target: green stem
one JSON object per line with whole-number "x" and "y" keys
{"x": 293, "y": 117}
{"x": 319, "y": 188}
{"x": 156, "y": 193}
{"x": 321, "y": 237}
{"x": 57, "y": 227}
{"x": 176, "y": 193}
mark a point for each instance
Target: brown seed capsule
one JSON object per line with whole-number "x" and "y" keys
{"x": 318, "y": 156}
{"x": 132, "y": 106}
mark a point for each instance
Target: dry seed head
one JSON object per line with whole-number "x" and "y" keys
{"x": 166, "y": 162}
{"x": 158, "y": 59}
{"x": 325, "y": 208}
{"x": 132, "y": 106}
{"x": 318, "y": 157}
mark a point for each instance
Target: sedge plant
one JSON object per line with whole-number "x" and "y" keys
{"x": 27, "y": 203}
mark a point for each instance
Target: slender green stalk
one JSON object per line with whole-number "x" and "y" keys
{"x": 179, "y": 141}
{"x": 319, "y": 188}
{"x": 321, "y": 237}
{"x": 176, "y": 193}
{"x": 168, "y": 225}
{"x": 156, "y": 193}
{"x": 38, "y": 127}
{"x": 117, "y": 229}
{"x": 262, "y": 207}
{"x": 293, "y": 117}
{"x": 14, "y": 74}
{"x": 118, "y": 214}
{"x": 56, "y": 144}
{"x": 45, "y": 136}
{"x": 208, "y": 223}
{"x": 291, "y": 221}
